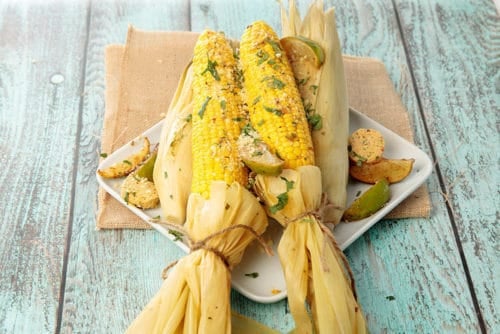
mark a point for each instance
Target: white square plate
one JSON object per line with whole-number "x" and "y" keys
{"x": 259, "y": 277}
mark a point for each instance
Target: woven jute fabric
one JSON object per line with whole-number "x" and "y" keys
{"x": 141, "y": 78}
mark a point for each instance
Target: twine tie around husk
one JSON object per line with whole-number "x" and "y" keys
{"x": 318, "y": 213}
{"x": 202, "y": 244}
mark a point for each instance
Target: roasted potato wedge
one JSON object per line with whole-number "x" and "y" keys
{"x": 394, "y": 170}
{"x": 366, "y": 146}
{"x": 140, "y": 192}
{"x": 126, "y": 166}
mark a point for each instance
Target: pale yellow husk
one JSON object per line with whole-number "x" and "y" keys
{"x": 330, "y": 142}
{"x": 314, "y": 272}
{"x": 173, "y": 167}
{"x": 195, "y": 297}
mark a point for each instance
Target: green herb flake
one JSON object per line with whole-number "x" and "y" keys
{"x": 223, "y": 104}
{"x": 157, "y": 218}
{"x": 189, "y": 118}
{"x": 282, "y": 202}
{"x": 275, "y": 83}
{"x": 165, "y": 174}
{"x": 256, "y": 100}
{"x": 204, "y": 106}
{"x": 247, "y": 129}
{"x": 303, "y": 81}
{"x": 211, "y": 68}
{"x": 275, "y": 45}
{"x": 316, "y": 121}
{"x": 289, "y": 184}
{"x": 263, "y": 56}
{"x": 127, "y": 162}
{"x": 125, "y": 198}
{"x": 177, "y": 235}
{"x": 390, "y": 297}
{"x": 104, "y": 155}
{"x": 314, "y": 89}
{"x": 252, "y": 275}
{"x": 275, "y": 111}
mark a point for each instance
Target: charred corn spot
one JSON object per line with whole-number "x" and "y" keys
{"x": 274, "y": 102}
{"x": 216, "y": 115}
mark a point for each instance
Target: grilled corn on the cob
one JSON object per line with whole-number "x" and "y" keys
{"x": 217, "y": 117}
{"x": 274, "y": 102}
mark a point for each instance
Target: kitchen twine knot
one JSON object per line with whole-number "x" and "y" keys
{"x": 202, "y": 244}
{"x": 319, "y": 214}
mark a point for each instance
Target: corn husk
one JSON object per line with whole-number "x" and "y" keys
{"x": 331, "y": 141}
{"x": 314, "y": 267}
{"x": 173, "y": 167}
{"x": 195, "y": 296}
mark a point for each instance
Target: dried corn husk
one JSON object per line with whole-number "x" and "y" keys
{"x": 331, "y": 141}
{"x": 314, "y": 267}
{"x": 194, "y": 298}
{"x": 173, "y": 168}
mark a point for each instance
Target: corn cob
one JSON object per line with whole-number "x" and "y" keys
{"x": 275, "y": 107}
{"x": 216, "y": 114}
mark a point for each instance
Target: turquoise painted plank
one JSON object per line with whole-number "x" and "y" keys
{"x": 409, "y": 274}
{"x": 39, "y": 104}
{"x": 454, "y": 50}
{"x": 111, "y": 275}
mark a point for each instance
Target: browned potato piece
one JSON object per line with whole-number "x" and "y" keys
{"x": 126, "y": 166}
{"x": 394, "y": 170}
{"x": 140, "y": 192}
{"x": 366, "y": 146}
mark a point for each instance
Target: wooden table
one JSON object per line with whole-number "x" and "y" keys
{"x": 59, "y": 274}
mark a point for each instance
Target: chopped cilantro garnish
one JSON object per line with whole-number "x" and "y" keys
{"x": 263, "y": 56}
{"x": 211, "y": 68}
{"x": 275, "y": 45}
{"x": 275, "y": 111}
{"x": 177, "y": 235}
{"x": 282, "y": 201}
{"x": 252, "y": 275}
{"x": 256, "y": 100}
{"x": 316, "y": 121}
{"x": 204, "y": 106}
{"x": 104, "y": 155}
{"x": 127, "y": 162}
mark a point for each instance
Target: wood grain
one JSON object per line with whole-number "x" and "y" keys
{"x": 406, "y": 270}
{"x": 454, "y": 50}
{"x": 58, "y": 274}
{"x": 39, "y": 101}
{"x": 111, "y": 275}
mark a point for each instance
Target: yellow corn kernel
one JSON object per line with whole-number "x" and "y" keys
{"x": 274, "y": 102}
{"x": 217, "y": 114}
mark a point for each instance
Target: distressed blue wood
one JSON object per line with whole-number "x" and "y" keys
{"x": 409, "y": 273}
{"x": 454, "y": 51}
{"x": 413, "y": 276}
{"x": 40, "y": 86}
{"x": 111, "y": 275}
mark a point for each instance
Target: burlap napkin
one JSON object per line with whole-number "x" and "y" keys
{"x": 142, "y": 75}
